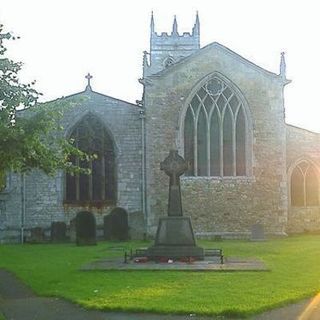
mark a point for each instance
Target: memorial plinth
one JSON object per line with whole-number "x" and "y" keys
{"x": 175, "y": 237}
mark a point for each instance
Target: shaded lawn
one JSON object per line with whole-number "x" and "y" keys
{"x": 52, "y": 270}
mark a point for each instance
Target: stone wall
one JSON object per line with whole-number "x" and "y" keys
{"x": 44, "y": 196}
{"x": 224, "y": 205}
{"x": 10, "y": 210}
{"x": 302, "y": 145}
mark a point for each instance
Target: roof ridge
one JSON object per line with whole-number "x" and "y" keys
{"x": 226, "y": 49}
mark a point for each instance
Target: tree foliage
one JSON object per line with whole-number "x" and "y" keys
{"x": 31, "y": 135}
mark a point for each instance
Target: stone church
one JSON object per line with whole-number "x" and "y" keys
{"x": 224, "y": 114}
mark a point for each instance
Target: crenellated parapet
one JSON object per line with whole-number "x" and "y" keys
{"x": 169, "y": 48}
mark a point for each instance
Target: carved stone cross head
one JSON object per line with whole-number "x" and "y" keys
{"x": 174, "y": 166}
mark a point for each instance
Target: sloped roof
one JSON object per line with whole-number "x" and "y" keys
{"x": 302, "y": 129}
{"x": 92, "y": 92}
{"x": 225, "y": 50}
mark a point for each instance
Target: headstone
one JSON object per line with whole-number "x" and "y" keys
{"x": 58, "y": 231}
{"x": 120, "y": 224}
{"x": 257, "y": 233}
{"x": 37, "y": 235}
{"x": 72, "y": 230}
{"x": 107, "y": 227}
{"x": 85, "y": 229}
{"x": 116, "y": 225}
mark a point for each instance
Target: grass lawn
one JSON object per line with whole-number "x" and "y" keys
{"x": 52, "y": 270}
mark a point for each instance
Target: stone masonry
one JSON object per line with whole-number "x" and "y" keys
{"x": 44, "y": 196}
{"x": 302, "y": 145}
{"x": 142, "y": 134}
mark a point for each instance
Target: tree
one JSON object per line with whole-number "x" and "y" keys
{"x": 30, "y": 132}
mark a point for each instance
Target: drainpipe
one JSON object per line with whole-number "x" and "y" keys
{"x": 23, "y": 206}
{"x": 143, "y": 173}
{"x": 141, "y": 103}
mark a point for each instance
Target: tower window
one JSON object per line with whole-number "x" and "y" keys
{"x": 169, "y": 61}
{"x": 215, "y": 131}
{"x": 91, "y": 136}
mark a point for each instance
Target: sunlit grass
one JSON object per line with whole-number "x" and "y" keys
{"x": 53, "y": 270}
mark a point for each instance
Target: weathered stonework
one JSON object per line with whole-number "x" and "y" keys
{"x": 220, "y": 204}
{"x": 143, "y": 134}
{"x": 44, "y": 196}
{"x": 302, "y": 145}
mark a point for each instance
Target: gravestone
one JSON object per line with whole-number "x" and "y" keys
{"x": 116, "y": 225}
{"x": 37, "y": 235}
{"x": 72, "y": 230}
{"x": 85, "y": 229}
{"x": 58, "y": 231}
{"x": 257, "y": 233}
{"x": 175, "y": 238}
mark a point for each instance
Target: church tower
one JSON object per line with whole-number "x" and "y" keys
{"x": 167, "y": 49}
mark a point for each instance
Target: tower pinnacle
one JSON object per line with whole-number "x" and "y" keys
{"x": 152, "y": 23}
{"x": 283, "y": 66}
{"x": 175, "y": 26}
{"x": 196, "y": 27}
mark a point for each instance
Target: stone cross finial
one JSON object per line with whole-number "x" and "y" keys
{"x": 88, "y": 77}
{"x": 174, "y": 166}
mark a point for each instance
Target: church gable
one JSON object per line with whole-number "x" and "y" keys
{"x": 217, "y": 50}
{"x": 225, "y": 115}
{"x": 110, "y": 128}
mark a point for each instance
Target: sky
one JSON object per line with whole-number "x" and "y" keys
{"x": 62, "y": 40}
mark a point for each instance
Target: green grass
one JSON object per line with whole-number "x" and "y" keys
{"x": 52, "y": 270}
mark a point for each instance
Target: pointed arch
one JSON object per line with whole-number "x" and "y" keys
{"x": 304, "y": 183}
{"x": 215, "y": 153}
{"x": 228, "y": 140}
{"x": 241, "y": 142}
{"x": 202, "y": 150}
{"x": 189, "y": 140}
{"x": 91, "y": 136}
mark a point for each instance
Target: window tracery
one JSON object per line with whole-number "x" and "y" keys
{"x": 91, "y": 136}
{"x": 215, "y": 131}
{"x": 304, "y": 185}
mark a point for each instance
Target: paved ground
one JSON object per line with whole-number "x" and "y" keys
{"x": 17, "y": 302}
{"x": 211, "y": 264}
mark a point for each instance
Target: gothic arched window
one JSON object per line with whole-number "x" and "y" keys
{"x": 304, "y": 185}
{"x": 168, "y": 61}
{"x": 215, "y": 131}
{"x": 91, "y": 136}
